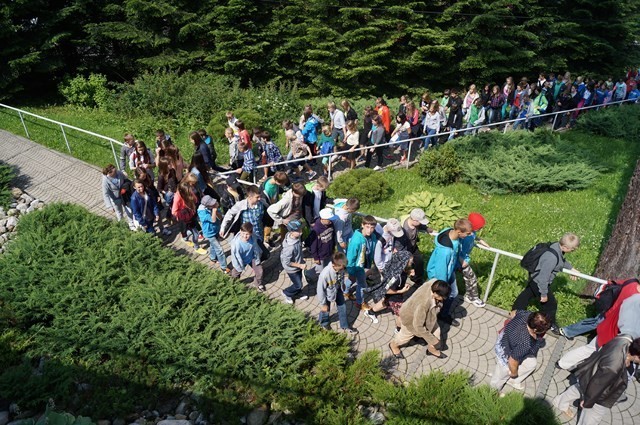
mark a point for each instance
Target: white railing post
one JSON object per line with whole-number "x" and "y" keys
{"x": 329, "y": 171}
{"x": 493, "y": 273}
{"x": 553, "y": 126}
{"x": 409, "y": 153}
{"x": 115, "y": 157}
{"x": 65, "y": 138}
{"x": 24, "y": 125}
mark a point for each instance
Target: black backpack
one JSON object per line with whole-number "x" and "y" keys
{"x": 531, "y": 259}
{"x": 607, "y": 294}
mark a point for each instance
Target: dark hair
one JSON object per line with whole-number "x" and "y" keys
{"x": 253, "y": 190}
{"x": 339, "y": 259}
{"x": 299, "y": 189}
{"x": 353, "y": 203}
{"x": 369, "y": 219}
{"x": 281, "y": 177}
{"x": 265, "y": 135}
{"x": 381, "y": 101}
{"x": 109, "y": 167}
{"x": 186, "y": 193}
{"x": 145, "y": 156}
{"x": 139, "y": 181}
{"x": 202, "y": 132}
{"x": 634, "y": 348}
{"x": 195, "y": 137}
{"x": 142, "y": 175}
{"x": 539, "y": 322}
{"x": 247, "y": 227}
{"x": 240, "y": 124}
{"x": 402, "y": 118}
{"x": 160, "y": 132}
{"x": 197, "y": 162}
{"x": 441, "y": 288}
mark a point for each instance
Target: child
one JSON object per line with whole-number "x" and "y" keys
{"x": 271, "y": 154}
{"x": 360, "y": 256}
{"x": 144, "y": 207}
{"x": 466, "y": 245}
{"x": 524, "y": 112}
{"x": 298, "y": 151}
{"x": 329, "y": 289}
{"x": 344, "y": 229}
{"x": 316, "y": 198}
{"x": 327, "y": 145}
{"x": 292, "y": 263}
{"x": 231, "y": 122}
{"x": 184, "y": 206}
{"x": 248, "y": 162}
{"x": 234, "y": 159}
{"x": 321, "y": 240}
{"x": 210, "y": 216}
{"x": 245, "y": 251}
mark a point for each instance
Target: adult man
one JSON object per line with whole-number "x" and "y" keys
{"x": 539, "y": 284}
{"x": 418, "y": 316}
{"x": 249, "y": 210}
{"x": 517, "y": 347}
{"x": 622, "y": 318}
{"x": 337, "y": 122}
{"x": 445, "y": 260}
{"x": 416, "y": 222}
{"x": 360, "y": 256}
{"x": 602, "y": 379}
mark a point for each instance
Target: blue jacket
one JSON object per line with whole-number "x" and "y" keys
{"x": 444, "y": 260}
{"x": 466, "y": 245}
{"x": 137, "y": 207}
{"x": 309, "y": 131}
{"x": 209, "y": 228}
{"x": 357, "y": 255}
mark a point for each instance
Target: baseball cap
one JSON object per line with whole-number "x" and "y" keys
{"x": 393, "y": 227}
{"x": 326, "y": 214}
{"x": 477, "y": 221}
{"x": 208, "y": 201}
{"x": 294, "y": 226}
{"x": 418, "y": 214}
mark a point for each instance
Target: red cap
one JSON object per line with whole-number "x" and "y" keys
{"x": 477, "y": 221}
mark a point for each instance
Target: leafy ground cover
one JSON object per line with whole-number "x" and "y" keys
{"x": 102, "y": 320}
{"x": 6, "y": 176}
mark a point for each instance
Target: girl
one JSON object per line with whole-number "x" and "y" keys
{"x": 349, "y": 113}
{"x": 243, "y": 134}
{"x": 142, "y": 157}
{"x": 199, "y": 169}
{"x": 167, "y": 182}
{"x": 200, "y": 146}
{"x": 143, "y": 176}
{"x": 376, "y": 136}
{"x": 413, "y": 117}
{"x": 496, "y": 100}
{"x": 401, "y": 133}
{"x": 299, "y": 150}
{"x": 112, "y": 185}
{"x": 469, "y": 98}
{"x": 431, "y": 126}
{"x": 184, "y": 210}
{"x": 234, "y": 158}
{"x": 352, "y": 141}
{"x": 364, "y": 134}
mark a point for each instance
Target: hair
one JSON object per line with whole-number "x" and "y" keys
{"x": 265, "y": 135}
{"x": 108, "y": 168}
{"x": 369, "y": 219}
{"x": 139, "y": 181}
{"x": 164, "y": 165}
{"x": 441, "y": 288}
{"x": 570, "y": 240}
{"x": 331, "y": 105}
{"x": 228, "y": 130}
{"x": 194, "y": 136}
{"x": 463, "y": 224}
{"x": 228, "y": 113}
{"x": 129, "y": 136}
{"x": 368, "y": 111}
{"x": 339, "y": 259}
{"x": 634, "y": 348}
{"x": 287, "y": 124}
{"x": 290, "y": 135}
{"x": 191, "y": 179}
{"x": 352, "y": 125}
{"x": 353, "y": 204}
{"x": 240, "y": 125}
{"x": 326, "y": 130}
{"x": 242, "y": 147}
{"x": 142, "y": 175}
{"x": 197, "y": 162}
{"x": 171, "y": 152}
{"x": 299, "y": 189}
{"x": 186, "y": 193}
{"x": 160, "y": 132}
{"x": 539, "y": 322}
{"x": 410, "y": 105}
{"x": 377, "y": 119}
{"x": 252, "y": 190}
{"x": 246, "y": 227}
{"x": 381, "y": 101}
{"x": 202, "y": 132}
{"x": 307, "y": 114}
{"x": 145, "y": 156}
{"x": 401, "y": 118}
{"x": 281, "y": 177}
{"x": 345, "y": 104}
{"x": 323, "y": 181}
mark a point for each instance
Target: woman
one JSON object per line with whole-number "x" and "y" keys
{"x": 350, "y": 114}
{"x": 113, "y": 182}
{"x": 352, "y": 141}
{"x": 401, "y": 133}
{"x": 184, "y": 207}
{"x": 167, "y": 182}
{"x": 142, "y": 157}
{"x": 201, "y": 147}
{"x": 392, "y": 287}
{"x": 199, "y": 169}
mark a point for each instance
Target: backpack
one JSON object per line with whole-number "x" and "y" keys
{"x": 126, "y": 191}
{"x": 531, "y": 259}
{"x": 607, "y": 294}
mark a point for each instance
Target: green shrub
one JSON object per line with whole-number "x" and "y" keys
{"x": 440, "y": 166}
{"x": 615, "y": 121}
{"x": 523, "y": 162}
{"x": 6, "y": 176}
{"x": 361, "y": 183}
{"x": 442, "y": 211}
{"x": 88, "y": 92}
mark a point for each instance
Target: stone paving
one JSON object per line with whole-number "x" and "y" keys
{"x": 53, "y": 176}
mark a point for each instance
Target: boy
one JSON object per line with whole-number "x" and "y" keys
{"x": 326, "y": 145}
{"x": 321, "y": 240}
{"x": 210, "y": 219}
{"x": 444, "y": 261}
{"x": 271, "y": 154}
{"x": 235, "y": 160}
{"x": 329, "y": 289}
{"x": 470, "y": 280}
{"x": 161, "y": 136}
{"x": 126, "y": 150}
{"x": 292, "y": 263}
{"x": 248, "y": 162}
{"x": 360, "y": 257}
{"x": 344, "y": 229}
{"x": 231, "y": 122}
{"x": 245, "y": 251}
{"x": 315, "y": 199}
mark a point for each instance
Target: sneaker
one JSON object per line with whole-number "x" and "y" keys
{"x": 166, "y": 232}
{"x": 515, "y": 385}
{"x": 561, "y": 330}
{"x": 303, "y": 297}
{"x": 227, "y": 271}
{"x": 554, "y": 328}
{"x": 377, "y": 168}
{"x": 478, "y": 303}
{"x": 350, "y": 331}
{"x": 312, "y": 175}
{"x": 189, "y": 243}
{"x": 201, "y": 251}
{"x": 262, "y": 288}
{"x": 371, "y": 315}
{"x": 363, "y": 306}
{"x": 200, "y": 237}
{"x": 396, "y": 330}
{"x": 287, "y": 300}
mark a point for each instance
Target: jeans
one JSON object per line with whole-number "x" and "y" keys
{"x": 337, "y": 134}
{"x": 216, "y": 252}
{"x": 323, "y": 317}
{"x": 168, "y": 199}
{"x": 448, "y": 303}
{"x": 429, "y": 139}
{"x": 583, "y": 326}
{"x": 470, "y": 132}
{"x": 513, "y": 113}
{"x": 522, "y": 122}
{"x": 494, "y": 115}
{"x": 361, "y": 282}
{"x": 296, "y": 284}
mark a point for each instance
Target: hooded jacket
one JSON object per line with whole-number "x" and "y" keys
{"x": 444, "y": 259}
{"x": 291, "y": 253}
{"x": 357, "y": 255}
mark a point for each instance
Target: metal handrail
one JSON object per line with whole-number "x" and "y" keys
{"x": 423, "y": 137}
{"x": 62, "y": 127}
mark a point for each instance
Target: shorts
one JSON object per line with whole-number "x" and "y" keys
{"x": 395, "y": 307}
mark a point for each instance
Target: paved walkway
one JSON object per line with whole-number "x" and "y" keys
{"x": 53, "y": 176}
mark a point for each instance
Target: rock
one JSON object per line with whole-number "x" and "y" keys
{"x": 22, "y": 207}
{"x": 13, "y": 205}
{"x": 200, "y": 420}
{"x": 30, "y": 209}
{"x": 104, "y": 422}
{"x": 182, "y": 406}
{"x": 174, "y": 422}
{"x": 16, "y": 192}
{"x": 193, "y": 415}
{"x": 181, "y": 417}
{"x": 3, "y": 230}
{"x": 40, "y": 205}
{"x": 258, "y": 416}
{"x": 274, "y": 418}
{"x": 11, "y": 224}
{"x": 2, "y": 214}
{"x": 377, "y": 418}
{"x": 26, "y": 199}
{"x": 4, "y": 418}
{"x": 12, "y": 212}
{"x": 119, "y": 421}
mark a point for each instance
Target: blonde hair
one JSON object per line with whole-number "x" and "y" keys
{"x": 326, "y": 130}
{"x": 331, "y": 105}
{"x": 570, "y": 240}
{"x": 290, "y": 135}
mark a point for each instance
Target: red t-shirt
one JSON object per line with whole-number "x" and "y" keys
{"x": 608, "y": 328}
{"x": 246, "y": 138}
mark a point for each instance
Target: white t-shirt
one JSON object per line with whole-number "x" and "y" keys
{"x": 337, "y": 119}
{"x": 353, "y": 139}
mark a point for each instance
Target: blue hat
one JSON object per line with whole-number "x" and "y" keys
{"x": 294, "y": 226}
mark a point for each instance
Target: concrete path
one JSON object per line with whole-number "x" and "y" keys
{"x": 53, "y": 176}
